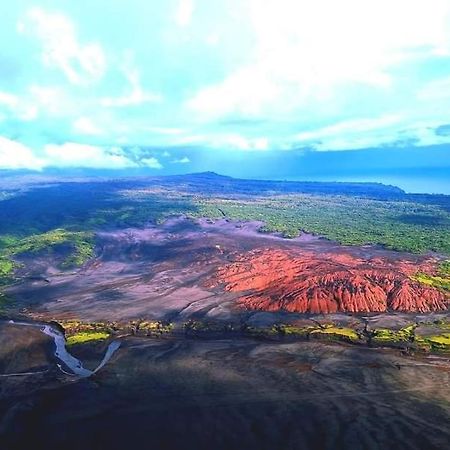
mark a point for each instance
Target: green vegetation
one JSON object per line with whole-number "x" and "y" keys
{"x": 433, "y": 336}
{"x": 139, "y": 327}
{"x": 75, "y": 326}
{"x": 153, "y": 328}
{"x": 444, "y": 269}
{"x": 440, "y": 281}
{"x": 6, "y": 267}
{"x": 86, "y": 336}
{"x": 324, "y": 332}
{"x": 435, "y": 281}
{"x": 347, "y": 334}
{"x": 385, "y": 336}
{"x": 416, "y": 223}
{"x": 81, "y": 248}
{"x": 38, "y": 242}
{"x": 292, "y": 330}
{"x": 442, "y": 340}
{"x": 438, "y": 339}
{"x": 348, "y": 220}
{"x": 437, "y": 342}
{"x": 428, "y": 337}
{"x": 80, "y": 332}
{"x": 328, "y": 331}
{"x": 65, "y": 216}
{"x": 198, "y": 326}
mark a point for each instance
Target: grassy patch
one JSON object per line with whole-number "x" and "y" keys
{"x": 442, "y": 340}
{"x": 444, "y": 269}
{"x": 87, "y": 336}
{"x": 154, "y": 328}
{"x": 292, "y": 330}
{"x": 6, "y": 267}
{"x": 83, "y": 251}
{"x": 438, "y": 342}
{"x": 439, "y": 281}
{"x": 329, "y": 332}
{"x": 80, "y": 242}
{"x": 75, "y": 326}
{"x": 386, "y": 336}
{"x": 340, "y": 333}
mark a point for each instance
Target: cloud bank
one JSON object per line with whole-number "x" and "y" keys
{"x": 84, "y": 83}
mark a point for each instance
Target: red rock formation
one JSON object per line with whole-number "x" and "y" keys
{"x": 274, "y": 280}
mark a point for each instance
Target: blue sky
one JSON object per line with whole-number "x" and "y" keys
{"x": 141, "y": 83}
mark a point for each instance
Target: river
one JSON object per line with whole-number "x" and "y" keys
{"x": 73, "y": 364}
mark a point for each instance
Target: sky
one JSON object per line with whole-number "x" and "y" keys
{"x": 113, "y": 84}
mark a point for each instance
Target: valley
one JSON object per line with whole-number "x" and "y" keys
{"x": 217, "y": 325}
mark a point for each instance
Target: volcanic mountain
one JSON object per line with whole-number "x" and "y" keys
{"x": 307, "y": 282}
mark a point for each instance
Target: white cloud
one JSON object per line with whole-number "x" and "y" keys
{"x": 27, "y": 112}
{"x": 22, "y": 110}
{"x": 165, "y": 130}
{"x": 197, "y": 139}
{"x": 306, "y": 52}
{"x": 246, "y": 92}
{"x": 272, "y": 69}
{"x": 81, "y": 63}
{"x": 349, "y": 126}
{"x": 183, "y": 13}
{"x": 8, "y": 100}
{"x": 84, "y": 125}
{"x": 353, "y": 134}
{"x": 424, "y": 133}
{"x": 232, "y": 141}
{"x": 435, "y": 90}
{"x": 151, "y": 162}
{"x": 50, "y": 99}
{"x": 73, "y": 154}
{"x": 212, "y": 39}
{"x": 371, "y": 132}
{"x": 183, "y": 160}
{"x": 15, "y": 155}
{"x": 136, "y": 96}
{"x": 239, "y": 142}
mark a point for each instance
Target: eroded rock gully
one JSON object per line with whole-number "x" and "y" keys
{"x": 307, "y": 282}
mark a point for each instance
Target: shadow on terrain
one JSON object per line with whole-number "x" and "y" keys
{"x": 243, "y": 395}
{"x": 422, "y": 219}
{"x": 75, "y": 204}
{"x": 143, "y": 251}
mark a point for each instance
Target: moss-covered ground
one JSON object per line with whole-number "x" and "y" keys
{"x": 83, "y": 337}
{"x": 440, "y": 281}
{"x": 81, "y": 246}
{"x": 338, "y": 333}
{"x": 422, "y": 337}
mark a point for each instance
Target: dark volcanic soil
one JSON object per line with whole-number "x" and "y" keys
{"x": 235, "y": 394}
{"x": 167, "y": 272}
{"x": 203, "y": 394}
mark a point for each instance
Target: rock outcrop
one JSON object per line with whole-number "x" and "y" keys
{"x": 278, "y": 279}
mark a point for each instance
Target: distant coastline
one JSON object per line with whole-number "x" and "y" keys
{"x": 410, "y": 184}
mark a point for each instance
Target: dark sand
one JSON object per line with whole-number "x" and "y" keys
{"x": 233, "y": 394}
